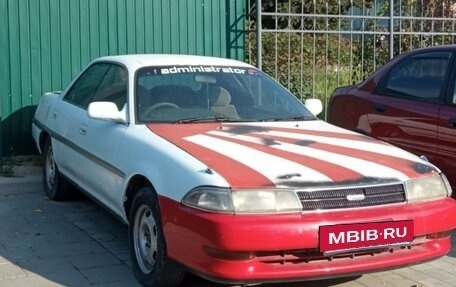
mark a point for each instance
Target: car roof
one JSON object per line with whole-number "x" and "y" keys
{"x": 432, "y": 48}
{"x": 136, "y": 61}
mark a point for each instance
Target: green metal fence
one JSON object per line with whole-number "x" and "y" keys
{"x": 45, "y": 43}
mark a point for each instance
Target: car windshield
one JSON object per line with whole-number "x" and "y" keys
{"x": 185, "y": 94}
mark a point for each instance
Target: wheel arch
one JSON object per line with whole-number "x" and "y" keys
{"x": 42, "y": 139}
{"x": 135, "y": 183}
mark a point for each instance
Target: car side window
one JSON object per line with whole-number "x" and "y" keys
{"x": 82, "y": 91}
{"x": 113, "y": 87}
{"x": 419, "y": 76}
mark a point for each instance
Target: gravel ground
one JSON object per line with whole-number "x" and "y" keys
{"x": 21, "y": 166}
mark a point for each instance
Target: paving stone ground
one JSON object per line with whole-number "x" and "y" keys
{"x": 77, "y": 243}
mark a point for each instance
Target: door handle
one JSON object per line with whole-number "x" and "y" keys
{"x": 83, "y": 129}
{"x": 381, "y": 108}
{"x": 452, "y": 122}
{"x": 53, "y": 114}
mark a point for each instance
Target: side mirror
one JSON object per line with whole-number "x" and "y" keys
{"x": 315, "y": 106}
{"x": 107, "y": 111}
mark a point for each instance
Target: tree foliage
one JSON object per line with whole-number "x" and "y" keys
{"x": 292, "y": 9}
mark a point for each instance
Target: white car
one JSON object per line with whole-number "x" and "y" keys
{"x": 220, "y": 171}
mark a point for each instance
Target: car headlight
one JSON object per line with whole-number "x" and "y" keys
{"x": 243, "y": 201}
{"x": 210, "y": 198}
{"x": 265, "y": 201}
{"x": 428, "y": 188}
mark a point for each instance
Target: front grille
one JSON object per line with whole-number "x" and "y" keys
{"x": 338, "y": 198}
{"x": 313, "y": 256}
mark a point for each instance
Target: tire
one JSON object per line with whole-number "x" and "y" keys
{"x": 55, "y": 186}
{"x": 151, "y": 265}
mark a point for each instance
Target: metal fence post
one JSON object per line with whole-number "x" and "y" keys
{"x": 391, "y": 29}
{"x": 258, "y": 32}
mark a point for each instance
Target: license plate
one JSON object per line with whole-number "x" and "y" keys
{"x": 365, "y": 235}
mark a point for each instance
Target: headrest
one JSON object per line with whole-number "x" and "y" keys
{"x": 221, "y": 96}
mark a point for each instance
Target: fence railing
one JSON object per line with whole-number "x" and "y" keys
{"x": 312, "y": 47}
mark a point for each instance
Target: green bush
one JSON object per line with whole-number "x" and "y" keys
{"x": 308, "y": 65}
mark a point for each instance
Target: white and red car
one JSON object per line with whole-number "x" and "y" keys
{"x": 220, "y": 171}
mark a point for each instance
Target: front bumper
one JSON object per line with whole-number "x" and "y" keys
{"x": 268, "y": 248}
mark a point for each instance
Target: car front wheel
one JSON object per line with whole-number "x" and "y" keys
{"x": 147, "y": 243}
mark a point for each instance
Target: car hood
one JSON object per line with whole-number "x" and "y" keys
{"x": 292, "y": 154}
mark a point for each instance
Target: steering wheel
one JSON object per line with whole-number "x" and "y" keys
{"x": 162, "y": 105}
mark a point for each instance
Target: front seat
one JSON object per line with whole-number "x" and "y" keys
{"x": 220, "y": 102}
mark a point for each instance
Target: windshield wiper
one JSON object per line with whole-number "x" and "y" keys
{"x": 291, "y": 118}
{"x": 208, "y": 120}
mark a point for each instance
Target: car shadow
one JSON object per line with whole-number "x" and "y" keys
{"x": 194, "y": 281}
{"x": 452, "y": 252}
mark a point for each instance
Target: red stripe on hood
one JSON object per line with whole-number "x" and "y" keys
{"x": 333, "y": 171}
{"x": 412, "y": 169}
{"x": 247, "y": 129}
{"x": 235, "y": 173}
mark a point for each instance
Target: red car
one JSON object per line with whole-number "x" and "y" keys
{"x": 409, "y": 102}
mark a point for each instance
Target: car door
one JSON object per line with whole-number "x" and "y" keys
{"x": 70, "y": 110}
{"x": 447, "y": 136}
{"x": 407, "y": 102}
{"x": 96, "y": 142}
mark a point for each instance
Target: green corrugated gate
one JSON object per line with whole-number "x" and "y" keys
{"x": 45, "y": 43}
